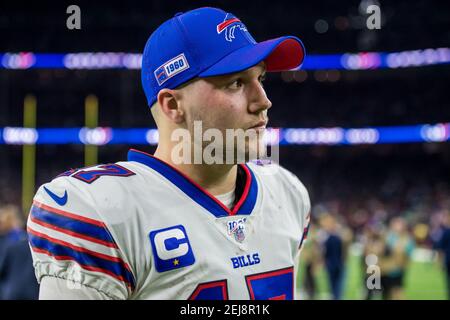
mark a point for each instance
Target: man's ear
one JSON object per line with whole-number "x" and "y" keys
{"x": 168, "y": 101}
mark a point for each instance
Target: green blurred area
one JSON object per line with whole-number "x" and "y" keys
{"x": 423, "y": 280}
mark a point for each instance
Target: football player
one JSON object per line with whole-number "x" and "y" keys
{"x": 154, "y": 227}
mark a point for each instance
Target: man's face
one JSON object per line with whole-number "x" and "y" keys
{"x": 235, "y": 101}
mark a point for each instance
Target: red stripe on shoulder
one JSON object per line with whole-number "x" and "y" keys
{"x": 73, "y": 234}
{"x": 76, "y": 248}
{"x": 69, "y": 214}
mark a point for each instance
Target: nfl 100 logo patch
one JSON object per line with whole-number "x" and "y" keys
{"x": 237, "y": 229}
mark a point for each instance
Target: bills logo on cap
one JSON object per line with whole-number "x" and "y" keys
{"x": 229, "y": 25}
{"x": 171, "y": 68}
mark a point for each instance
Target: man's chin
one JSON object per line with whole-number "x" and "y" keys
{"x": 250, "y": 154}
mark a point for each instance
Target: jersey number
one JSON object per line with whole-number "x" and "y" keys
{"x": 90, "y": 176}
{"x": 272, "y": 285}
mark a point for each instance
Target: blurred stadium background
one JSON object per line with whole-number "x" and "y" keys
{"x": 365, "y": 126}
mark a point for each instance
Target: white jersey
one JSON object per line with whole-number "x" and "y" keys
{"x": 140, "y": 229}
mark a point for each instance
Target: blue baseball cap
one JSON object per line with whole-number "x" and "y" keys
{"x": 209, "y": 42}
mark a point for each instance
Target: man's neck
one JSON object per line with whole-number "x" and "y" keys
{"x": 216, "y": 179}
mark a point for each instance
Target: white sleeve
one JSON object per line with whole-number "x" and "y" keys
{"x": 69, "y": 240}
{"x": 53, "y": 288}
{"x": 302, "y": 204}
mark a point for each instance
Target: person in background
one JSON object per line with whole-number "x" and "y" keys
{"x": 17, "y": 280}
{"x": 333, "y": 252}
{"x": 441, "y": 242}
{"x": 10, "y": 231}
{"x": 311, "y": 259}
{"x": 373, "y": 244}
{"x": 397, "y": 254}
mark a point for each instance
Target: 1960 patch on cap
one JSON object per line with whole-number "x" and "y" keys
{"x": 171, "y": 68}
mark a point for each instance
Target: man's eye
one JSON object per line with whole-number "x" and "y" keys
{"x": 262, "y": 78}
{"x": 236, "y": 84}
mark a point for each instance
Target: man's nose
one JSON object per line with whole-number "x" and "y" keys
{"x": 258, "y": 99}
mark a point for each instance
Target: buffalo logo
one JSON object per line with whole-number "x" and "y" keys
{"x": 229, "y": 25}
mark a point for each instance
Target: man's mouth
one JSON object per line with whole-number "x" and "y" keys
{"x": 260, "y": 125}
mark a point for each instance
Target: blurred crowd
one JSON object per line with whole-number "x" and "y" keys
{"x": 17, "y": 280}
{"x": 386, "y": 241}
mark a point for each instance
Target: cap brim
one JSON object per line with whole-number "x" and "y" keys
{"x": 280, "y": 54}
